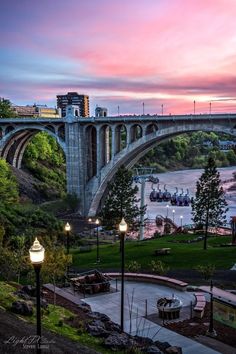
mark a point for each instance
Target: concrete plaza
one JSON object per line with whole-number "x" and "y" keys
{"x": 137, "y": 295}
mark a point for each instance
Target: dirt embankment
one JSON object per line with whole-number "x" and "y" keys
{"x": 27, "y": 186}
{"x": 17, "y": 336}
{"x": 32, "y": 189}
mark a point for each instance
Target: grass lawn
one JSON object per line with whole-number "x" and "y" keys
{"x": 182, "y": 255}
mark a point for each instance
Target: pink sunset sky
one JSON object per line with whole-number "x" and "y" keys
{"x": 121, "y": 53}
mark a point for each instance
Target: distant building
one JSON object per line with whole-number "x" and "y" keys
{"x": 100, "y": 112}
{"x": 73, "y": 98}
{"x": 226, "y": 145}
{"x": 36, "y": 111}
{"x": 223, "y": 145}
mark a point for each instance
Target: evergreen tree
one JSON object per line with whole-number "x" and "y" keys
{"x": 209, "y": 206}
{"x": 6, "y": 110}
{"x": 121, "y": 201}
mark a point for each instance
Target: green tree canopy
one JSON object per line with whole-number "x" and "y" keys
{"x": 209, "y": 206}
{"x": 121, "y": 201}
{"x": 44, "y": 147}
{"x": 8, "y": 185}
{"x": 6, "y": 110}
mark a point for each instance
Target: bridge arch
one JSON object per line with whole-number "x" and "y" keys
{"x": 121, "y": 139}
{"x": 151, "y": 128}
{"x": 9, "y": 129}
{"x": 51, "y": 128}
{"x": 140, "y": 147}
{"x": 61, "y": 132}
{"x": 105, "y": 141}
{"x": 91, "y": 150}
{"x": 15, "y": 141}
{"x": 136, "y": 132}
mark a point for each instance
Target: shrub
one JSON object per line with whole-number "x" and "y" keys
{"x": 72, "y": 201}
{"x": 207, "y": 271}
{"x": 60, "y": 323}
{"x": 80, "y": 327}
{"x": 133, "y": 266}
{"x": 159, "y": 267}
{"x": 157, "y": 234}
{"x": 167, "y": 228}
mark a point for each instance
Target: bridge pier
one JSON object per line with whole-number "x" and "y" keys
{"x": 76, "y": 163}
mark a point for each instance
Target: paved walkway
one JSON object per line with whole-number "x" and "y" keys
{"x": 136, "y": 297}
{"x": 64, "y": 293}
{"x": 220, "y": 294}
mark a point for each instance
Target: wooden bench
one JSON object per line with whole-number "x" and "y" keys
{"x": 91, "y": 283}
{"x": 156, "y": 279}
{"x": 198, "y": 310}
{"x": 162, "y": 251}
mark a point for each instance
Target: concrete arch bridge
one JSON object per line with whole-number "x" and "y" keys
{"x": 95, "y": 147}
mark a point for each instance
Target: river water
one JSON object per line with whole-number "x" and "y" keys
{"x": 184, "y": 179}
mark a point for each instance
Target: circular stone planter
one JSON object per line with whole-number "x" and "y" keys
{"x": 169, "y": 308}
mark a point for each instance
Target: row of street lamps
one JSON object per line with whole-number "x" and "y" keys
{"x": 37, "y": 253}
{"x": 37, "y": 257}
{"x": 173, "y": 215}
{"x": 97, "y": 222}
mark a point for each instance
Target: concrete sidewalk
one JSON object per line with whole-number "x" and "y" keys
{"x": 136, "y": 297}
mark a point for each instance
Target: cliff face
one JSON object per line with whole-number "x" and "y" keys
{"x": 31, "y": 189}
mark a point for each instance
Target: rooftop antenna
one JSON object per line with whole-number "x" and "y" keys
{"x": 162, "y": 109}
{"x": 118, "y": 110}
{"x": 143, "y": 108}
{"x": 194, "y": 106}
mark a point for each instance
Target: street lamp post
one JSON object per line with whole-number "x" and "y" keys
{"x": 37, "y": 257}
{"x": 167, "y": 210}
{"x": 67, "y": 229}
{"x": 173, "y": 215}
{"x": 98, "y": 259}
{"x": 122, "y": 229}
{"x": 181, "y": 222}
{"x": 90, "y": 227}
{"x": 211, "y": 331}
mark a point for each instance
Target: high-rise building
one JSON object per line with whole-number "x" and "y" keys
{"x": 73, "y": 98}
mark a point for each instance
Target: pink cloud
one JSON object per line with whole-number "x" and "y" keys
{"x": 181, "y": 48}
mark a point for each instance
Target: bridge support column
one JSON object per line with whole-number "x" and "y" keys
{"x": 113, "y": 142}
{"x": 75, "y": 160}
{"x": 100, "y": 152}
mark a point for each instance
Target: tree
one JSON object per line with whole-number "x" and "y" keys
{"x": 209, "y": 206}
{"x": 206, "y": 271}
{"x": 121, "y": 201}
{"x": 8, "y": 184}
{"x": 20, "y": 255}
{"x": 55, "y": 265}
{"x": 6, "y": 110}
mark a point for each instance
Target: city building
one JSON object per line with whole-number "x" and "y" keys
{"x": 36, "y": 111}
{"x": 73, "y": 98}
